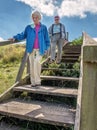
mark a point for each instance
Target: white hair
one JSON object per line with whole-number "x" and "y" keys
{"x": 36, "y": 13}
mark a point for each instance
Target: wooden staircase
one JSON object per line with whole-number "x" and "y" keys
{"x": 44, "y": 111}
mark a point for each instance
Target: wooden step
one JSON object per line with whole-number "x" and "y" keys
{"x": 72, "y": 49}
{"x": 70, "y": 58}
{"x": 71, "y": 52}
{"x": 59, "y": 78}
{"x": 71, "y": 55}
{"x": 43, "y": 112}
{"x": 55, "y": 91}
{"x": 57, "y": 69}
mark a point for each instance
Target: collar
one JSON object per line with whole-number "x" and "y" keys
{"x": 33, "y": 25}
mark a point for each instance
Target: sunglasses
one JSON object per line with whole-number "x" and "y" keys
{"x": 56, "y": 19}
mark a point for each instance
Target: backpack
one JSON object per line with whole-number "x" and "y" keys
{"x": 60, "y": 30}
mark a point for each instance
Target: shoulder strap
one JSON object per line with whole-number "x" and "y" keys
{"x": 60, "y": 29}
{"x": 52, "y": 29}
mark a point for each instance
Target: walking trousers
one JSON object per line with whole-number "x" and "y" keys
{"x": 35, "y": 67}
{"x": 59, "y": 44}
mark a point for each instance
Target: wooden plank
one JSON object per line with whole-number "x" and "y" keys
{"x": 21, "y": 69}
{"x": 43, "y": 112}
{"x": 5, "y": 42}
{"x": 73, "y": 51}
{"x": 28, "y": 66}
{"x": 57, "y": 69}
{"x": 70, "y": 58}
{"x": 59, "y": 78}
{"x": 8, "y": 93}
{"x": 55, "y": 91}
{"x": 73, "y": 47}
{"x": 89, "y": 87}
{"x": 71, "y": 55}
{"x": 78, "y": 106}
{"x": 8, "y": 42}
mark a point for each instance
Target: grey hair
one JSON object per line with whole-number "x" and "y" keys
{"x": 36, "y": 13}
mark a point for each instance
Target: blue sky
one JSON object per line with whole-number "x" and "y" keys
{"x": 76, "y": 15}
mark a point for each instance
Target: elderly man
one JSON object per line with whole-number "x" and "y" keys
{"x": 37, "y": 44}
{"x": 57, "y": 36}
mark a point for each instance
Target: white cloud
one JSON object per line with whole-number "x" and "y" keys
{"x": 95, "y": 38}
{"x": 44, "y": 6}
{"x": 1, "y": 39}
{"x": 64, "y": 8}
{"x": 77, "y": 8}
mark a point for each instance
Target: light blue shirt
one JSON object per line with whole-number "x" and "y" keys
{"x": 56, "y": 28}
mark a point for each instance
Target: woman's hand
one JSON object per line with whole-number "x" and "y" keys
{"x": 11, "y": 39}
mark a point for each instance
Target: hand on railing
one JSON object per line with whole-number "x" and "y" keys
{"x": 12, "y": 39}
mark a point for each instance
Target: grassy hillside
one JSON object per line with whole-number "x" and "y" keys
{"x": 10, "y": 58}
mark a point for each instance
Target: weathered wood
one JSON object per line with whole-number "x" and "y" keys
{"x": 56, "y": 69}
{"x": 71, "y": 55}
{"x": 46, "y": 60}
{"x": 78, "y": 106}
{"x": 59, "y": 78}
{"x": 6, "y": 42}
{"x": 28, "y": 66}
{"x": 8, "y": 93}
{"x": 72, "y": 49}
{"x": 55, "y": 91}
{"x": 69, "y": 59}
{"x": 67, "y": 36}
{"x": 22, "y": 66}
{"x": 89, "y": 88}
{"x": 90, "y": 49}
{"x": 39, "y": 112}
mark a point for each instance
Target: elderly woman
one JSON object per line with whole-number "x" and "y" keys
{"x": 37, "y": 44}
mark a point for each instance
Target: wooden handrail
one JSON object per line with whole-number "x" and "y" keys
{"x": 8, "y": 42}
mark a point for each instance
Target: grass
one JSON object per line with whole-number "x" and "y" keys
{"x": 10, "y": 58}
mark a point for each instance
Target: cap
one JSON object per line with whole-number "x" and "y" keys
{"x": 57, "y": 17}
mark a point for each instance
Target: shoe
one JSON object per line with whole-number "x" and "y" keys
{"x": 58, "y": 61}
{"x": 33, "y": 85}
{"x": 51, "y": 61}
{"x": 38, "y": 85}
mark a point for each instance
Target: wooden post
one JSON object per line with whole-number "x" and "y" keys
{"x": 88, "y": 114}
{"x": 67, "y": 35}
{"x": 28, "y": 66}
{"x": 22, "y": 66}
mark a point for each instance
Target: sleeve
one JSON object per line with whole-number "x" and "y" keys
{"x": 47, "y": 40}
{"x": 21, "y": 36}
{"x": 63, "y": 31}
